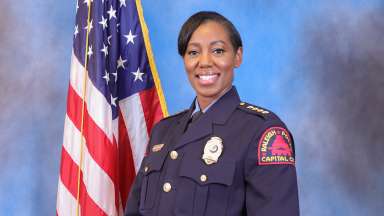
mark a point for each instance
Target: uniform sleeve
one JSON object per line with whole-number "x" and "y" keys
{"x": 271, "y": 183}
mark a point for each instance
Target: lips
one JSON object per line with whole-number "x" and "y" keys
{"x": 207, "y": 79}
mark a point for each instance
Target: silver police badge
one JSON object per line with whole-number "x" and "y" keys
{"x": 212, "y": 150}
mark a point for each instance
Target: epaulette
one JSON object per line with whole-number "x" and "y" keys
{"x": 255, "y": 110}
{"x": 175, "y": 115}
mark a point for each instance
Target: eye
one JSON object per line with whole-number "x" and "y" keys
{"x": 192, "y": 53}
{"x": 218, "y": 51}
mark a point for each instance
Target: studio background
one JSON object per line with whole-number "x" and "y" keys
{"x": 318, "y": 64}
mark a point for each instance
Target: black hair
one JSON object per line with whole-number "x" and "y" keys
{"x": 200, "y": 18}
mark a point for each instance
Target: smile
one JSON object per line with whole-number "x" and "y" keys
{"x": 206, "y": 79}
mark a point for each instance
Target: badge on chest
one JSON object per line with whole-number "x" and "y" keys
{"x": 212, "y": 150}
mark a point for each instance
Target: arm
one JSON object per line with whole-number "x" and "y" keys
{"x": 271, "y": 183}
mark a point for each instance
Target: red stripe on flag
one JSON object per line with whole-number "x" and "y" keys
{"x": 126, "y": 163}
{"x": 69, "y": 174}
{"x": 151, "y": 107}
{"x": 102, "y": 150}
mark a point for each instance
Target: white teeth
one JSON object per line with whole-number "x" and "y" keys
{"x": 207, "y": 77}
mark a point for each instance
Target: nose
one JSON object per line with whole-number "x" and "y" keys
{"x": 205, "y": 60}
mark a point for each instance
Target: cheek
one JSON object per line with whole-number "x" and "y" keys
{"x": 225, "y": 65}
{"x": 189, "y": 65}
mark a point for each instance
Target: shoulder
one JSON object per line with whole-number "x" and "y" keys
{"x": 166, "y": 121}
{"x": 272, "y": 142}
{"x": 175, "y": 116}
{"x": 257, "y": 112}
{"x": 162, "y": 127}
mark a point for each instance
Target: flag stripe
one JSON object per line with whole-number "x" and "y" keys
{"x": 126, "y": 163}
{"x": 98, "y": 144}
{"x": 94, "y": 178}
{"x": 132, "y": 112}
{"x": 151, "y": 107}
{"x": 97, "y": 106}
{"x": 66, "y": 203}
{"x": 69, "y": 179}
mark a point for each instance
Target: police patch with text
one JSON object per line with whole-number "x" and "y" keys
{"x": 275, "y": 147}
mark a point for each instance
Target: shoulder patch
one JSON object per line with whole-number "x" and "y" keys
{"x": 174, "y": 115}
{"x": 275, "y": 147}
{"x": 254, "y": 109}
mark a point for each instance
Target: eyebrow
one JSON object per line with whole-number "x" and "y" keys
{"x": 212, "y": 43}
{"x": 216, "y": 42}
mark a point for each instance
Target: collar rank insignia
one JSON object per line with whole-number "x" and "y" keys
{"x": 157, "y": 147}
{"x": 275, "y": 147}
{"x": 212, "y": 150}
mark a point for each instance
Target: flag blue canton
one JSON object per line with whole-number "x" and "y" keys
{"x": 117, "y": 60}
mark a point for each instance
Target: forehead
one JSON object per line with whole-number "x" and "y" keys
{"x": 210, "y": 31}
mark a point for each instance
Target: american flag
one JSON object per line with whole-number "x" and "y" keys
{"x": 111, "y": 107}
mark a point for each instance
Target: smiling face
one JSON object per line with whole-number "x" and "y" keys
{"x": 209, "y": 61}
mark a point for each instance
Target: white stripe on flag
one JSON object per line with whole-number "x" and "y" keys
{"x": 97, "y": 106}
{"x": 98, "y": 184}
{"x": 66, "y": 204}
{"x": 134, "y": 120}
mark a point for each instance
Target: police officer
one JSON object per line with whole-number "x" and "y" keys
{"x": 221, "y": 156}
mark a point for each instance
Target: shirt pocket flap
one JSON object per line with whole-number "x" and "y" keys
{"x": 221, "y": 172}
{"x": 154, "y": 162}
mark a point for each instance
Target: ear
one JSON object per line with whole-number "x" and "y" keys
{"x": 238, "y": 57}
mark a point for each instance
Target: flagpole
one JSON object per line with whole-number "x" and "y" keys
{"x": 85, "y": 78}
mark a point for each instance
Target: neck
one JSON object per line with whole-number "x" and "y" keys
{"x": 204, "y": 102}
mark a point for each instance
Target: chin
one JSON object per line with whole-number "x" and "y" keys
{"x": 208, "y": 92}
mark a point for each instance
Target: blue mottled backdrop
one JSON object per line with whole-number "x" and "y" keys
{"x": 318, "y": 64}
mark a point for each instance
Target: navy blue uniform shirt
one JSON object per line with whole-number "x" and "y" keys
{"x": 236, "y": 159}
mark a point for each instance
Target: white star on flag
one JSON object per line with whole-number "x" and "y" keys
{"x": 90, "y": 52}
{"x": 117, "y": 27}
{"x": 76, "y": 30}
{"x": 87, "y": 2}
{"x": 90, "y": 26}
{"x": 115, "y": 75}
{"x": 106, "y": 76}
{"x": 113, "y": 100}
{"x": 138, "y": 75}
{"x": 111, "y": 13}
{"x": 103, "y": 22}
{"x": 109, "y": 39}
{"x": 120, "y": 62}
{"x": 105, "y": 50}
{"x": 130, "y": 37}
{"x": 122, "y": 3}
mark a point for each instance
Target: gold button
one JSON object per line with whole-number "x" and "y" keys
{"x": 167, "y": 187}
{"x": 146, "y": 169}
{"x": 203, "y": 178}
{"x": 174, "y": 155}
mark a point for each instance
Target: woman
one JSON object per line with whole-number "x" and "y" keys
{"x": 221, "y": 156}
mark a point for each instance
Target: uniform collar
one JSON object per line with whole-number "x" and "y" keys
{"x": 223, "y": 108}
{"x": 219, "y": 113}
{"x": 197, "y": 106}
